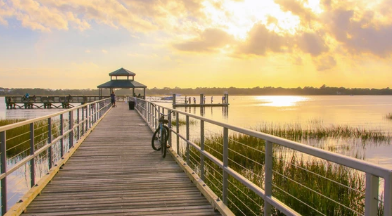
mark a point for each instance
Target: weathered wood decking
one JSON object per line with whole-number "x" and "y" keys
{"x": 116, "y": 172}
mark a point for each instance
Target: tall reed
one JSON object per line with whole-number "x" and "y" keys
{"x": 308, "y": 185}
{"x": 18, "y": 139}
{"x": 297, "y": 132}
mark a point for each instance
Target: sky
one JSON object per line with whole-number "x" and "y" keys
{"x": 75, "y": 44}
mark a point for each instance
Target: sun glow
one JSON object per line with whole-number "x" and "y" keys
{"x": 238, "y": 17}
{"x": 280, "y": 101}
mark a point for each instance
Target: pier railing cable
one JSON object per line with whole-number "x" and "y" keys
{"x": 37, "y": 145}
{"x": 238, "y": 169}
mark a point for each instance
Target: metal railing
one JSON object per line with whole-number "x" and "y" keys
{"x": 33, "y": 147}
{"x": 254, "y": 173}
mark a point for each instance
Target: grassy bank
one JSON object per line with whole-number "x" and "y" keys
{"x": 296, "y": 132}
{"x": 183, "y": 122}
{"x": 18, "y": 139}
{"x": 323, "y": 186}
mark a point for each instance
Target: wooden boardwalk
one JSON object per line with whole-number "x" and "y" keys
{"x": 116, "y": 172}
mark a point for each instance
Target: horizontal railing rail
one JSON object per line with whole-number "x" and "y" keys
{"x": 9, "y": 99}
{"x": 41, "y": 143}
{"x": 226, "y": 170}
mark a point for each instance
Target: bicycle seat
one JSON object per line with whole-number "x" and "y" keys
{"x": 164, "y": 121}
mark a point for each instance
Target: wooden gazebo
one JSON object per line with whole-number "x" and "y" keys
{"x": 122, "y": 78}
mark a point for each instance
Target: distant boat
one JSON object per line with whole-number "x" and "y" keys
{"x": 167, "y": 98}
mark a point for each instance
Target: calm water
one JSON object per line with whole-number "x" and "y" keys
{"x": 362, "y": 112}
{"x": 365, "y": 112}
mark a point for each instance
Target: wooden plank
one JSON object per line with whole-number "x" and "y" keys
{"x": 116, "y": 172}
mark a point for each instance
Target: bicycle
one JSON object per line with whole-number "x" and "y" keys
{"x": 160, "y": 136}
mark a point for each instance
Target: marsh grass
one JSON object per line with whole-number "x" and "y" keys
{"x": 324, "y": 186}
{"x": 296, "y": 132}
{"x": 388, "y": 116}
{"x": 18, "y": 139}
{"x": 183, "y": 122}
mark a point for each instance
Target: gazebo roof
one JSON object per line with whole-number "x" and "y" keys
{"x": 122, "y": 84}
{"x": 122, "y": 72}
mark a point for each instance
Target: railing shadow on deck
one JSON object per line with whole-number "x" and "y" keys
{"x": 37, "y": 148}
{"x": 244, "y": 169}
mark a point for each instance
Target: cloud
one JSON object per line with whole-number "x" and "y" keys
{"x": 104, "y": 51}
{"x": 5, "y": 12}
{"x": 297, "y": 7}
{"x": 324, "y": 62}
{"x": 209, "y": 40}
{"x": 362, "y": 29}
{"x": 38, "y": 17}
{"x": 312, "y": 43}
{"x": 260, "y": 41}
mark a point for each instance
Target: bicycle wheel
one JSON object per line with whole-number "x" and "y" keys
{"x": 163, "y": 144}
{"x": 156, "y": 141}
{"x": 167, "y": 130}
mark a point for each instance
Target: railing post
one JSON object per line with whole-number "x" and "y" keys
{"x": 88, "y": 113}
{"x": 268, "y": 176}
{"x": 170, "y": 127}
{"x": 388, "y": 195}
{"x": 61, "y": 134}
{"x": 187, "y": 140}
{"x": 70, "y": 127}
{"x": 202, "y": 149}
{"x": 157, "y": 117}
{"x": 371, "y": 195}
{"x": 148, "y": 112}
{"x": 3, "y": 170}
{"x": 50, "y": 141}
{"x": 225, "y": 164}
{"x": 83, "y": 121}
{"x": 178, "y": 131}
{"x": 78, "y": 122}
{"x": 32, "y": 161}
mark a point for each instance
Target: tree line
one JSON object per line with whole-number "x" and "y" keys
{"x": 268, "y": 90}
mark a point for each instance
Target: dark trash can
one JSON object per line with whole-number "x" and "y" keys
{"x": 131, "y": 105}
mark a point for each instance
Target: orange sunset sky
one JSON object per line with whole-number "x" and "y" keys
{"x": 196, "y": 43}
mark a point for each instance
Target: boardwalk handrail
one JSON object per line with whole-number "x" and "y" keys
{"x": 52, "y": 140}
{"x": 373, "y": 171}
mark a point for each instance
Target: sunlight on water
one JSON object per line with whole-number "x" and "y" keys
{"x": 280, "y": 101}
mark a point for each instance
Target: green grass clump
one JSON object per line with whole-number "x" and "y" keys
{"x": 297, "y": 133}
{"x": 327, "y": 187}
{"x": 18, "y": 139}
{"x": 183, "y": 122}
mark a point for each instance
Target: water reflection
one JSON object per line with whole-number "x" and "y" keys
{"x": 280, "y": 101}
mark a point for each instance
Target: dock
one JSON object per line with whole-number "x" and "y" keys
{"x": 116, "y": 172}
{"x": 201, "y": 105}
{"x": 202, "y": 102}
{"x": 52, "y": 101}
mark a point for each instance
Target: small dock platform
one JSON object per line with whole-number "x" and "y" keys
{"x": 200, "y": 105}
{"x": 116, "y": 172}
{"x": 51, "y": 102}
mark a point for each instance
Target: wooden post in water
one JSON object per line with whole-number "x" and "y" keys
{"x": 174, "y": 100}
{"x": 201, "y": 99}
